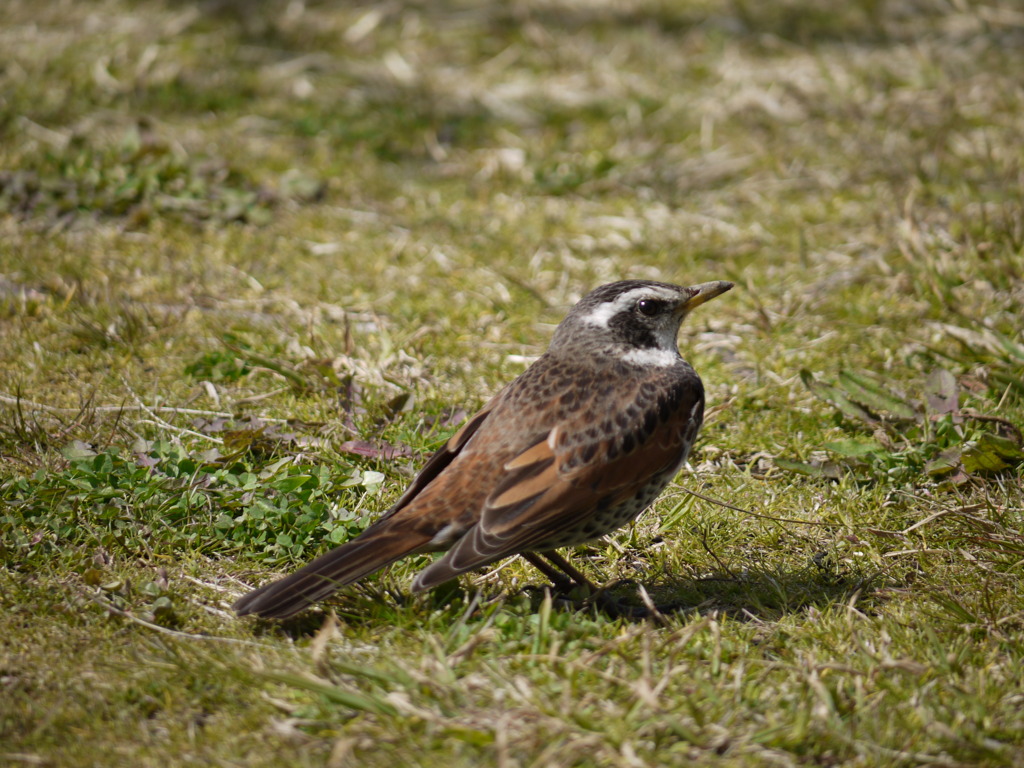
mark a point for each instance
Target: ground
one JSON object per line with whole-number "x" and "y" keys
{"x": 257, "y": 260}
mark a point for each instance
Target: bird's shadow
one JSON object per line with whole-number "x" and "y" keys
{"x": 754, "y": 595}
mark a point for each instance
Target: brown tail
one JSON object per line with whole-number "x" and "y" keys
{"x": 343, "y": 565}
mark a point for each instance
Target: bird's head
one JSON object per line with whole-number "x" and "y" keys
{"x": 636, "y": 320}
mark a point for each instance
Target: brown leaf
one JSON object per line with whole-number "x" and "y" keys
{"x": 941, "y": 391}
{"x": 375, "y": 451}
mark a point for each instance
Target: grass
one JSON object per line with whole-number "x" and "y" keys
{"x": 256, "y": 261}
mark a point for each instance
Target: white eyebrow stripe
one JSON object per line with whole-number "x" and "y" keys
{"x": 602, "y": 313}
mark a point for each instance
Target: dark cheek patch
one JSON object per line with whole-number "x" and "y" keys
{"x": 629, "y": 329}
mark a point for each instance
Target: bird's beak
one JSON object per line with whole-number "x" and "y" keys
{"x": 703, "y": 292}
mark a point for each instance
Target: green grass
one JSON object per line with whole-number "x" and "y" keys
{"x": 257, "y": 261}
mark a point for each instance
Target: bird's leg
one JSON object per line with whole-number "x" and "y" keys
{"x": 595, "y": 594}
{"x": 598, "y": 596}
{"x": 565, "y": 567}
{"x": 558, "y": 579}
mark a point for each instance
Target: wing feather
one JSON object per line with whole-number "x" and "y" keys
{"x": 442, "y": 458}
{"x": 557, "y": 480}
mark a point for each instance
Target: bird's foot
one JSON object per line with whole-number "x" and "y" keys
{"x": 579, "y": 596}
{"x": 572, "y": 588}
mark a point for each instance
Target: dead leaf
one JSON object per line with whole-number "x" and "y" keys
{"x": 375, "y": 451}
{"x": 941, "y": 392}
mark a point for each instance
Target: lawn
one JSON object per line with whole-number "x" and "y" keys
{"x": 258, "y": 260}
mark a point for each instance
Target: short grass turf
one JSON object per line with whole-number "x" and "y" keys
{"x": 258, "y": 260}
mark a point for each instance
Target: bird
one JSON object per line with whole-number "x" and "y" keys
{"x": 572, "y": 449}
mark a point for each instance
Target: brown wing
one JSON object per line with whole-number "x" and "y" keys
{"x": 551, "y": 490}
{"x": 444, "y": 456}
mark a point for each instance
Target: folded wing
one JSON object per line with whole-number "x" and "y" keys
{"x": 549, "y": 490}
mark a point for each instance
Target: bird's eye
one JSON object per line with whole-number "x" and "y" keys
{"x": 650, "y": 307}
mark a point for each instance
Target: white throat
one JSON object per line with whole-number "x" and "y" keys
{"x": 652, "y": 357}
